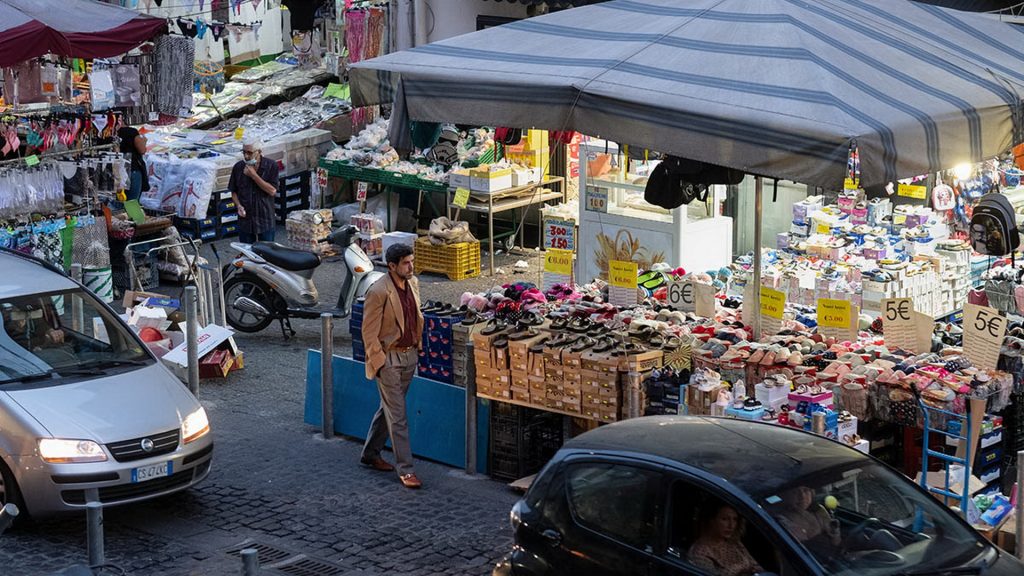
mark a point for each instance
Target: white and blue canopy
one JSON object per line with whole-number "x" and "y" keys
{"x": 779, "y": 88}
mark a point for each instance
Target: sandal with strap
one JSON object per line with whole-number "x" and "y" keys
{"x": 493, "y": 327}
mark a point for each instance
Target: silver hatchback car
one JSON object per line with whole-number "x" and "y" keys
{"x": 87, "y": 413}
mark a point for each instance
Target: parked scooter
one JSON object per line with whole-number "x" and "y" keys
{"x": 268, "y": 281}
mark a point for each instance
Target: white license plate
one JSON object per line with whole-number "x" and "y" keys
{"x": 143, "y": 473}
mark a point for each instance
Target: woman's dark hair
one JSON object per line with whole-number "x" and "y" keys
{"x": 396, "y": 252}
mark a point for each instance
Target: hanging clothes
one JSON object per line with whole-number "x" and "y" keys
{"x": 174, "y": 75}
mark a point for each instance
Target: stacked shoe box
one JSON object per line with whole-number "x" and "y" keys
{"x": 355, "y": 327}
{"x": 519, "y": 364}
{"x": 956, "y": 276}
{"x": 633, "y": 370}
{"x": 493, "y": 377}
{"x": 599, "y": 387}
{"x": 664, "y": 394}
{"x": 436, "y": 357}
{"x": 198, "y": 228}
{"x": 292, "y": 195}
{"x": 461, "y": 335}
{"x": 227, "y": 214}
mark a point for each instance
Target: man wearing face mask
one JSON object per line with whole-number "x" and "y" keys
{"x": 253, "y": 185}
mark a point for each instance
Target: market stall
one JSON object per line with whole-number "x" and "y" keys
{"x": 674, "y": 84}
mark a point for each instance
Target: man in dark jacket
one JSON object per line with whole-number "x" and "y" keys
{"x": 253, "y": 185}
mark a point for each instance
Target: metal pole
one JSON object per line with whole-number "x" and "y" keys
{"x": 208, "y": 284}
{"x": 220, "y": 296}
{"x": 327, "y": 372}
{"x": 755, "y": 320}
{"x": 250, "y": 562}
{"x": 94, "y": 533}
{"x": 192, "y": 337}
{"x": 470, "y": 410}
{"x": 77, "y": 312}
{"x": 1020, "y": 505}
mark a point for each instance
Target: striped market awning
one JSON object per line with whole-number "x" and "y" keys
{"x": 779, "y": 88}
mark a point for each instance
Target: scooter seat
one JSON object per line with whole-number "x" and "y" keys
{"x": 287, "y": 258}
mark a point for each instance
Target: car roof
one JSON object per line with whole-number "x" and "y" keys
{"x": 757, "y": 457}
{"x": 22, "y": 275}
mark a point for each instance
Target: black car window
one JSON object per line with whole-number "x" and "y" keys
{"x": 616, "y": 500}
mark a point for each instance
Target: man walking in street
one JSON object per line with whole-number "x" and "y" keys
{"x": 253, "y": 185}
{"x": 392, "y": 325}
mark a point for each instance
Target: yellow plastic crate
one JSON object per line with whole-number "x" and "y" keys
{"x": 457, "y": 261}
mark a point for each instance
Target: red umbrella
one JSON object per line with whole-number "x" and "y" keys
{"x": 73, "y": 28}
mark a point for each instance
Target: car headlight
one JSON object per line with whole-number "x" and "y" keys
{"x": 59, "y": 451}
{"x": 195, "y": 426}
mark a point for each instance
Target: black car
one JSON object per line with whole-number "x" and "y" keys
{"x": 694, "y": 495}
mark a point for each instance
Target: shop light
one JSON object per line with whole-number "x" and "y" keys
{"x": 963, "y": 171}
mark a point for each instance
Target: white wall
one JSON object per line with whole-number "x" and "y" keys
{"x": 441, "y": 19}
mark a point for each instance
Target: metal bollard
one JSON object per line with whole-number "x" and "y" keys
{"x": 94, "y": 533}
{"x": 250, "y": 562}
{"x": 327, "y": 372}
{"x": 470, "y": 413}
{"x": 77, "y": 311}
{"x": 1020, "y": 505}
{"x": 192, "y": 337}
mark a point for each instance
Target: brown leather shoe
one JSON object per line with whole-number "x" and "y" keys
{"x": 410, "y": 481}
{"x": 378, "y": 464}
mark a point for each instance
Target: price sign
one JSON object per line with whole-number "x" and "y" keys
{"x": 461, "y": 197}
{"x": 849, "y": 184}
{"x": 558, "y": 262}
{"x": 560, "y": 234}
{"x": 823, "y": 229}
{"x": 361, "y": 188}
{"x": 833, "y": 313}
{"x": 32, "y": 160}
{"x": 773, "y": 303}
{"x": 682, "y": 295}
{"x": 912, "y": 191}
{"x": 899, "y": 322}
{"x": 705, "y": 294}
{"x": 597, "y": 199}
{"x": 557, "y": 267}
{"x": 622, "y": 283}
{"x": 984, "y": 329}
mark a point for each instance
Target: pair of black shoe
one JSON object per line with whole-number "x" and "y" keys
{"x": 436, "y": 308}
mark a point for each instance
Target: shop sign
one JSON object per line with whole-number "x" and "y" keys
{"x": 833, "y": 313}
{"x": 560, "y": 234}
{"x": 984, "y": 329}
{"x": 705, "y": 294}
{"x": 912, "y": 191}
{"x": 361, "y": 188}
{"x": 682, "y": 295}
{"x": 597, "y": 199}
{"x": 773, "y": 303}
{"x": 461, "y": 197}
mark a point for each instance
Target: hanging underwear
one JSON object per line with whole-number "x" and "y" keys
{"x": 201, "y": 28}
{"x": 187, "y": 27}
{"x": 217, "y": 29}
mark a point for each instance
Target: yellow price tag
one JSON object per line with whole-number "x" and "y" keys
{"x": 622, "y": 274}
{"x": 773, "y": 303}
{"x": 221, "y": 141}
{"x": 461, "y": 197}
{"x": 849, "y": 184}
{"x": 912, "y": 191}
{"x": 239, "y": 132}
{"x": 558, "y": 262}
{"x": 834, "y": 313}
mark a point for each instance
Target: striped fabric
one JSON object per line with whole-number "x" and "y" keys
{"x": 779, "y": 88}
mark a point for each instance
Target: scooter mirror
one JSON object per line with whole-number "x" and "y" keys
{"x": 344, "y": 236}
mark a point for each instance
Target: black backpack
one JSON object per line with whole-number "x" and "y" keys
{"x": 994, "y": 226}
{"x": 677, "y": 181}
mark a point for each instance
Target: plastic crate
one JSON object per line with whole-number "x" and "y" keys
{"x": 521, "y": 440}
{"x": 457, "y": 261}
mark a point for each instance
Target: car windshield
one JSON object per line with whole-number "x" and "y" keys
{"x": 45, "y": 338}
{"x": 864, "y": 519}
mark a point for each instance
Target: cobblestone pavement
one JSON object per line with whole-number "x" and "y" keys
{"x": 304, "y": 502}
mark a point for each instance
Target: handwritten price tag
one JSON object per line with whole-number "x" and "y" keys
{"x": 984, "y": 329}
{"x": 682, "y": 296}
{"x": 461, "y": 197}
{"x": 361, "y": 188}
{"x": 558, "y": 262}
{"x": 597, "y": 200}
{"x": 773, "y": 303}
{"x": 560, "y": 234}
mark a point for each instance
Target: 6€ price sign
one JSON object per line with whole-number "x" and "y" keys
{"x": 682, "y": 295}
{"x": 984, "y": 329}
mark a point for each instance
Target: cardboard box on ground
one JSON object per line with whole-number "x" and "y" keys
{"x": 217, "y": 352}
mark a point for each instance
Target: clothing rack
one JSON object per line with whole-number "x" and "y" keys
{"x": 71, "y": 152}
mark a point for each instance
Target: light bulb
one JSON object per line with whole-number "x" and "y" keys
{"x": 963, "y": 171}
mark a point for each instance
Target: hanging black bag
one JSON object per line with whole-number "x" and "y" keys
{"x": 994, "y": 226}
